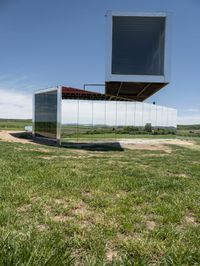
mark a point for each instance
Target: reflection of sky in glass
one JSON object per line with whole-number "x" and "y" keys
{"x": 116, "y": 113}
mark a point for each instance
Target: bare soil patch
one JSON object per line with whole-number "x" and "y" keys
{"x": 155, "y": 144}
{"x": 8, "y": 135}
{"x": 37, "y": 149}
{"x": 24, "y": 208}
{"x": 111, "y": 254}
{"x": 182, "y": 175}
{"x": 188, "y": 220}
{"x": 81, "y": 209}
{"x": 59, "y": 218}
{"x": 62, "y": 156}
{"x": 41, "y": 227}
{"x": 150, "y": 225}
{"x": 148, "y": 147}
{"x": 132, "y": 236}
{"x": 132, "y": 144}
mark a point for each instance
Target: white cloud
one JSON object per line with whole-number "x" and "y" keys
{"x": 189, "y": 119}
{"x": 15, "y": 104}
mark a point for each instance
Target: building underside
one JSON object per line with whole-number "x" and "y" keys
{"x": 78, "y": 94}
{"x": 123, "y": 91}
{"x": 133, "y": 91}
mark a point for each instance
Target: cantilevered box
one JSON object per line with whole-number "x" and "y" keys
{"x": 138, "y": 53}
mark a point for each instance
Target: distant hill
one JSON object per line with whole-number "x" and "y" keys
{"x": 188, "y": 127}
{"x": 15, "y": 120}
{"x": 19, "y": 124}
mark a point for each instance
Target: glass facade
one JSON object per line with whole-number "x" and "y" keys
{"x": 84, "y": 120}
{"x": 95, "y": 120}
{"x": 46, "y": 114}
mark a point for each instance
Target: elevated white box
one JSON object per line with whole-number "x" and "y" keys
{"x": 138, "y": 51}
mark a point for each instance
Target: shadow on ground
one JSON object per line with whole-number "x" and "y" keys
{"x": 30, "y": 139}
{"x": 90, "y": 146}
{"x": 95, "y": 146}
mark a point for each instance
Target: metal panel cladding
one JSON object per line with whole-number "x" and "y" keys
{"x": 46, "y": 114}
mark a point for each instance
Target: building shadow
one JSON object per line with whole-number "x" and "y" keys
{"x": 94, "y": 146}
{"x": 38, "y": 140}
{"x": 90, "y": 146}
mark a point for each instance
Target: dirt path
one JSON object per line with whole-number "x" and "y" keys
{"x": 154, "y": 144}
{"x": 133, "y": 144}
{"x": 14, "y": 136}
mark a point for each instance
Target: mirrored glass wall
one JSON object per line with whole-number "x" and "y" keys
{"x": 88, "y": 120}
{"x": 45, "y": 117}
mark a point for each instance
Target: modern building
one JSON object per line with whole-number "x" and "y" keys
{"x": 66, "y": 114}
{"x": 137, "y": 66}
{"x": 137, "y": 53}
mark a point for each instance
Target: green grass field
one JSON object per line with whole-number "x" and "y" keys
{"x": 68, "y": 207}
{"x": 14, "y": 124}
{"x": 61, "y": 206}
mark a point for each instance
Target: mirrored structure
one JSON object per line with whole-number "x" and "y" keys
{"x": 137, "y": 66}
{"x": 137, "y": 53}
{"x": 45, "y": 118}
{"x": 67, "y": 114}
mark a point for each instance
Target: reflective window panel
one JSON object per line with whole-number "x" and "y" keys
{"x": 46, "y": 114}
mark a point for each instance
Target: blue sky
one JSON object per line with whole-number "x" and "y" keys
{"x": 49, "y": 42}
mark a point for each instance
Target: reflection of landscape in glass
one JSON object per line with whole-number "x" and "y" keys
{"x": 101, "y": 120}
{"x": 46, "y": 114}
